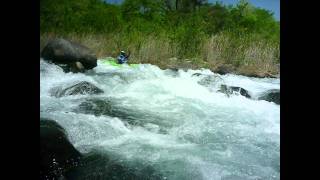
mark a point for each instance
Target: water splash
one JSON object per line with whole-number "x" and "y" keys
{"x": 167, "y": 120}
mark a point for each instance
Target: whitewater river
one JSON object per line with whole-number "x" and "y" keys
{"x": 166, "y": 120}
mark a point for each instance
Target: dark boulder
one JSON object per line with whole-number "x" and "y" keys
{"x": 234, "y": 90}
{"x": 272, "y": 95}
{"x": 79, "y": 88}
{"x": 57, "y": 154}
{"x": 240, "y": 90}
{"x": 174, "y": 69}
{"x": 196, "y": 74}
{"x": 59, "y": 160}
{"x": 61, "y": 51}
{"x": 100, "y": 165}
{"x": 224, "y": 69}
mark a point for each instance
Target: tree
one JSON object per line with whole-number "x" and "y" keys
{"x": 184, "y": 5}
{"x": 147, "y": 9}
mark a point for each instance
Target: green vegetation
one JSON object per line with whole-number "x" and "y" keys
{"x": 169, "y": 33}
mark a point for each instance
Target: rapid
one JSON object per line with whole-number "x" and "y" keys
{"x": 167, "y": 120}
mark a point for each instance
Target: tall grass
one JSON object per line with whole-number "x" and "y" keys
{"x": 247, "y": 55}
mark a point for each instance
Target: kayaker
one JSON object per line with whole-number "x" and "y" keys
{"x": 122, "y": 58}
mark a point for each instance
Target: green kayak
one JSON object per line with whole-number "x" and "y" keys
{"x": 113, "y": 62}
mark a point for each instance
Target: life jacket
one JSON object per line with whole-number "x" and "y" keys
{"x": 122, "y": 59}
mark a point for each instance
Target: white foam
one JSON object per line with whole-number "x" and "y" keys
{"x": 179, "y": 118}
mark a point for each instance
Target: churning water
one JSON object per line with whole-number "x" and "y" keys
{"x": 168, "y": 121}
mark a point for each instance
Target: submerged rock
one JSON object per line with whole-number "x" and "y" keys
{"x": 57, "y": 154}
{"x": 96, "y": 106}
{"x": 79, "y": 88}
{"x": 70, "y": 54}
{"x": 99, "y": 107}
{"x": 228, "y": 90}
{"x": 196, "y": 74}
{"x": 172, "y": 72}
{"x": 272, "y": 95}
{"x": 109, "y": 107}
{"x": 209, "y": 80}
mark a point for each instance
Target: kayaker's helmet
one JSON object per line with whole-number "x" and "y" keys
{"x": 122, "y": 52}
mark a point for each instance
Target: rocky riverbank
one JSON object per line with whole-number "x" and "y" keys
{"x": 101, "y": 47}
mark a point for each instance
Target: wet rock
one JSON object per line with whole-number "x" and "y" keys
{"x": 210, "y": 80}
{"x": 63, "y": 52}
{"x": 57, "y": 154}
{"x": 79, "y": 88}
{"x": 174, "y": 69}
{"x": 272, "y": 95}
{"x": 196, "y": 74}
{"x": 59, "y": 160}
{"x": 99, "y": 107}
{"x": 99, "y": 165}
{"x": 132, "y": 116}
{"x": 240, "y": 90}
{"x": 172, "y": 72}
{"x": 228, "y": 90}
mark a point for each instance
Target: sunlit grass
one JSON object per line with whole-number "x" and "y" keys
{"x": 248, "y": 56}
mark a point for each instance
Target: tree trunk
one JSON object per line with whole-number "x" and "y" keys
{"x": 177, "y": 5}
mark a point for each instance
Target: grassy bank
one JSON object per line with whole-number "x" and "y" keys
{"x": 243, "y": 56}
{"x": 170, "y": 33}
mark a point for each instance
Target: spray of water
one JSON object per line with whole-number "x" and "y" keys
{"x": 169, "y": 121}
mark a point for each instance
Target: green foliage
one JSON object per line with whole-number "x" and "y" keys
{"x": 80, "y": 16}
{"x": 146, "y": 9}
{"x": 187, "y": 24}
{"x": 189, "y": 35}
